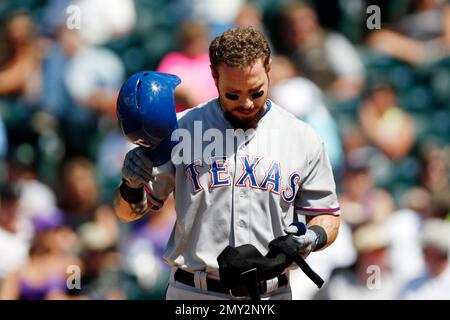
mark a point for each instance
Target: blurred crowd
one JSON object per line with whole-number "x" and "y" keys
{"x": 379, "y": 98}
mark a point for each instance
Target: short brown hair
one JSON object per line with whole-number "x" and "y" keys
{"x": 239, "y": 47}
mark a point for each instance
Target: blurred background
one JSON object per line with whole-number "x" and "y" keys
{"x": 380, "y": 98}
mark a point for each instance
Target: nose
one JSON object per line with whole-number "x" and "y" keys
{"x": 247, "y": 103}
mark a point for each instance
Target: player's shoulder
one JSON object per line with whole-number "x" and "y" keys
{"x": 293, "y": 124}
{"x": 199, "y": 112}
{"x": 305, "y": 138}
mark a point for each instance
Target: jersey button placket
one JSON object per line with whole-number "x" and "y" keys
{"x": 241, "y": 215}
{"x": 243, "y": 236}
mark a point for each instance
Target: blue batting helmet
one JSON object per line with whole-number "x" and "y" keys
{"x": 146, "y": 108}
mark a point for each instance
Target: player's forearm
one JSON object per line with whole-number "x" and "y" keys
{"x": 329, "y": 223}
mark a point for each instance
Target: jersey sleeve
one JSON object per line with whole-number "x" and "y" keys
{"x": 317, "y": 192}
{"x": 162, "y": 186}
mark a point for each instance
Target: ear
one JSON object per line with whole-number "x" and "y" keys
{"x": 269, "y": 65}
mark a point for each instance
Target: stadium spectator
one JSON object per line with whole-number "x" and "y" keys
{"x": 217, "y": 15}
{"x": 103, "y": 276}
{"x": 191, "y": 64}
{"x": 421, "y": 37}
{"x": 385, "y": 124}
{"x": 147, "y": 243}
{"x": 434, "y": 283}
{"x": 251, "y": 15}
{"x": 361, "y": 200}
{"x": 20, "y": 61}
{"x": 370, "y": 277}
{"x": 327, "y": 58}
{"x": 404, "y": 228}
{"x": 435, "y": 172}
{"x": 80, "y": 85}
{"x": 45, "y": 274}
{"x": 96, "y": 24}
{"x": 78, "y": 194}
{"x": 16, "y": 233}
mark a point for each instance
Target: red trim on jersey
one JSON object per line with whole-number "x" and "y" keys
{"x": 317, "y": 209}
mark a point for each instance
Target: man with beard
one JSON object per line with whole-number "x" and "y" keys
{"x": 250, "y": 193}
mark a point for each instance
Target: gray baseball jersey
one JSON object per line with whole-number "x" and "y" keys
{"x": 242, "y": 189}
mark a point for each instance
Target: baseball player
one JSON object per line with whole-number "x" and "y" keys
{"x": 250, "y": 193}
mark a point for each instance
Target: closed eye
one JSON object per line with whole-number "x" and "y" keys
{"x": 231, "y": 96}
{"x": 258, "y": 94}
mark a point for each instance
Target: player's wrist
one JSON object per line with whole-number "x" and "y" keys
{"x": 134, "y": 183}
{"x": 319, "y": 236}
{"x": 130, "y": 194}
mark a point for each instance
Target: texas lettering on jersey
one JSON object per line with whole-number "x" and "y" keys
{"x": 250, "y": 177}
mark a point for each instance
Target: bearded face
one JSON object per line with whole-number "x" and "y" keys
{"x": 243, "y": 93}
